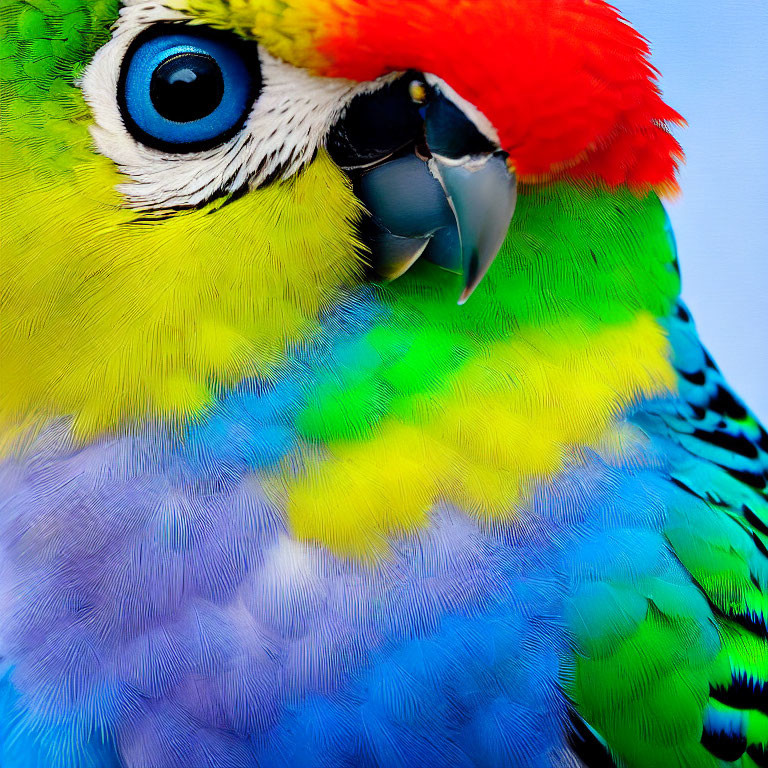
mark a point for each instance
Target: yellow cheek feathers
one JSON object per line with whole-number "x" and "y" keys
{"x": 515, "y": 416}
{"x": 111, "y": 321}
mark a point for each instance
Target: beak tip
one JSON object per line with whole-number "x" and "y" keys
{"x": 482, "y": 194}
{"x": 469, "y": 289}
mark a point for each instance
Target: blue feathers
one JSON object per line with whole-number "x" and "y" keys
{"x": 163, "y": 615}
{"x": 191, "y": 630}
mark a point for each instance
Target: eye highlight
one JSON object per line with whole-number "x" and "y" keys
{"x": 185, "y": 89}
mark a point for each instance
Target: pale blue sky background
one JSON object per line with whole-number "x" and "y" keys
{"x": 714, "y": 66}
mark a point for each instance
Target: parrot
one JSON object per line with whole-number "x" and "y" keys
{"x": 351, "y": 416}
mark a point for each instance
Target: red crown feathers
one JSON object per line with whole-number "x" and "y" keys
{"x": 567, "y": 83}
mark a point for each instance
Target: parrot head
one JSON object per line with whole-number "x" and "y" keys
{"x": 190, "y": 186}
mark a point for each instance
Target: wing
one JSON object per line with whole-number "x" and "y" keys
{"x": 675, "y": 668}
{"x": 723, "y": 461}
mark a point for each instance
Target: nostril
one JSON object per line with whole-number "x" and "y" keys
{"x": 418, "y": 90}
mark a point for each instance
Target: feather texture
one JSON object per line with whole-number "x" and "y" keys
{"x": 257, "y": 511}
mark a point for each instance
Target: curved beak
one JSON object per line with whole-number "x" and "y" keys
{"x": 482, "y": 194}
{"x": 435, "y": 187}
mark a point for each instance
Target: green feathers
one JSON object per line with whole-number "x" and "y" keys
{"x": 45, "y": 47}
{"x": 674, "y": 671}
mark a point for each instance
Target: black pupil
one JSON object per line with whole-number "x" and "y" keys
{"x": 187, "y": 87}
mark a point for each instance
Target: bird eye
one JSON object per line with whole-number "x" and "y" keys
{"x": 183, "y": 89}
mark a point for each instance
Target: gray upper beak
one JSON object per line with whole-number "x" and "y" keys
{"x": 482, "y": 194}
{"x": 441, "y": 192}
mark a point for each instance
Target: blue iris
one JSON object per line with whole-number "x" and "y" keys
{"x": 182, "y": 89}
